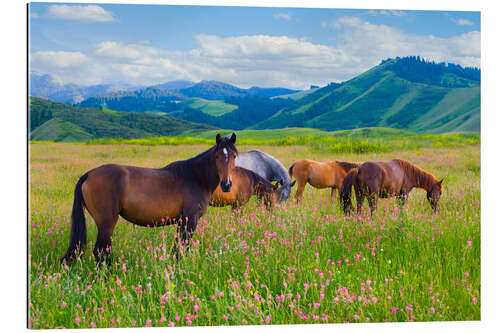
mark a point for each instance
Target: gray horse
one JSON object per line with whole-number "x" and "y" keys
{"x": 267, "y": 167}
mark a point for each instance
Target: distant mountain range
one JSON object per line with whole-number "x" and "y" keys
{"x": 405, "y": 93}
{"x": 44, "y": 86}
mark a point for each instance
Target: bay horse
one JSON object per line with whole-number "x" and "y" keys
{"x": 176, "y": 194}
{"x": 319, "y": 175}
{"x": 269, "y": 168}
{"x": 394, "y": 178}
{"x": 245, "y": 184}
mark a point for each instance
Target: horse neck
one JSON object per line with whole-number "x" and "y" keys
{"x": 425, "y": 181}
{"x": 282, "y": 172}
{"x": 258, "y": 185}
{"x": 421, "y": 179}
{"x": 205, "y": 170}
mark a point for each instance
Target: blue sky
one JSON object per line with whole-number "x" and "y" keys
{"x": 246, "y": 46}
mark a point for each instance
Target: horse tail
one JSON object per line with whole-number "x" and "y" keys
{"x": 346, "y": 189}
{"x": 78, "y": 238}
{"x": 348, "y": 166}
{"x": 290, "y": 170}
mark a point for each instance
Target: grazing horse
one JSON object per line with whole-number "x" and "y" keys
{"x": 267, "y": 167}
{"x": 176, "y": 194}
{"x": 395, "y": 178}
{"x": 319, "y": 175}
{"x": 245, "y": 184}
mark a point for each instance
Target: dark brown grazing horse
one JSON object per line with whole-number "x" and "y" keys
{"x": 245, "y": 184}
{"x": 395, "y": 178}
{"x": 319, "y": 175}
{"x": 176, "y": 194}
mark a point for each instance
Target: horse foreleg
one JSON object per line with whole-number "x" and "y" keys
{"x": 185, "y": 229}
{"x": 360, "y": 197}
{"x": 300, "y": 191}
{"x": 372, "y": 201}
{"x": 333, "y": 193}
{"x": 401, "y": 198}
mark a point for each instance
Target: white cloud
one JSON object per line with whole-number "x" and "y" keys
{"x": 258, "y": 59}
{"x": 386, "y": 12}
{"x": 58, "y": 59}
{"x": 119, "y": 50}
{"x": 464, "y": 22}
{"x": 371, "y": 43}
{"x": 89, "y": 13}
{"x": 283, "y": 16}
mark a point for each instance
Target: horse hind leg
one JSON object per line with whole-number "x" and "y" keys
{"x": 102, "y": 248}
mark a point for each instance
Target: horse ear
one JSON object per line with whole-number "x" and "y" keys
{"x": 217, "y": 138}
{"x": 441, "y": 181}
{"x": 233, "y": 138}
{"x": 293, "y": 183}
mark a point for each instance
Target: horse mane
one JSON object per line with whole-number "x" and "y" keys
{"x": 278, "y": 170}
{"x": 224, "y": 142}
{"x": 347, "y": 166}
{"x": 258, "y": 182}
{"x": 419, "y": 177}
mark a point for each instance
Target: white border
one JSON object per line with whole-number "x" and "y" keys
{"x": 13, "y": 172}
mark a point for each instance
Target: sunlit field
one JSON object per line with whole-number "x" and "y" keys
{"x": 299, "y": 264}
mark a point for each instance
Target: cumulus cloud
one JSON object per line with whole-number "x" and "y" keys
{"x": 283, "y": 16}
{"x": 112, "y": 49}
{"x": 58, "y": 59}
{"x": 89, "y": 13}
{"x": 463, "y": 21}
{"x": 386, "y": 12}
{"x": 372, "y": 42}
{"x": 258, "y": 59}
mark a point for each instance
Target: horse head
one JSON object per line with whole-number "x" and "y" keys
{"x": 225, "y": 153}
{"x": 284, "y": 190}
{"x": 434, "y": 194}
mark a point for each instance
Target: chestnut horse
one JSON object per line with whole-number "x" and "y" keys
{"x": 245, "y": 184}
{"x": 319, "y": 175}
{"x": 176, "y": 194}
{"x": 395, "y": 178}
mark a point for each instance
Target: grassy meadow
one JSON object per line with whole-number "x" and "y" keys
{"x": 304, "y": 263}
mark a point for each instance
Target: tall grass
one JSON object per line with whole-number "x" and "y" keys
{"x": 304, "y": 263}
{"x": 332, "y": 144}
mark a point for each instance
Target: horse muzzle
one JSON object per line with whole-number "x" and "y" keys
{"x": 225, "y": 185}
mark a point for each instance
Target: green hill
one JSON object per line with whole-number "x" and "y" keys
{"x": 64, "y": 122}
{"x": 406, "y": 93}
{"x": 59, "y": 130}
{"x": 211, "y": 107}
{"x": 260, "y": 134}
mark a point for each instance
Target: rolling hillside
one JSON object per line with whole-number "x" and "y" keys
{"x": 163, "y": 97}
{"x": 403, "y": 93}
{"x": 406, "y": 93}
{"x": 210, "y": 107}
{"x": 63, "y": 122}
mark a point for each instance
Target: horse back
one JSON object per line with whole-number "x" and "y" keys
{"x": 141, "y": 195}
{"x": 385, "y": 178}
